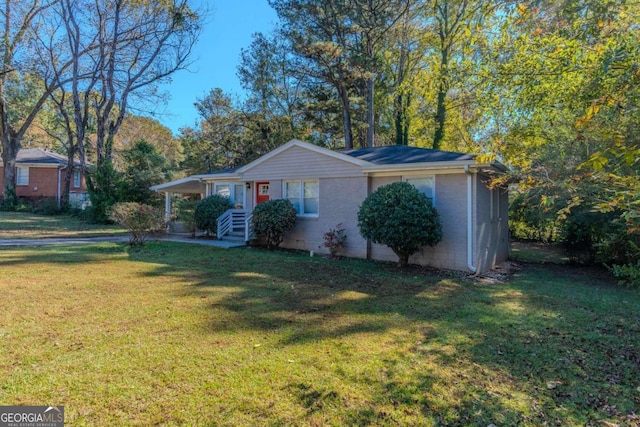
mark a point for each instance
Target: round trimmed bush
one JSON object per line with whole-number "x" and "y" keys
{"x": 208, "y": 210}
{"x": 273, "y": 219}
{"x": 401, "y": 217}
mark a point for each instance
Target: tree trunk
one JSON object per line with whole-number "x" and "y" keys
{"x": 10, "y": 148}
{"x": 68, "y": 176}
{"x": 403, "y": 260}
{"x": 346, "y": 116}
{"x": 440, "y": 117}
{"x": 370, "y": 112}
{"x": 401, "y": 119}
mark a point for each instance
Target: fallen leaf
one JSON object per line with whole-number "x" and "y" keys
{"x": 553, "y": 384}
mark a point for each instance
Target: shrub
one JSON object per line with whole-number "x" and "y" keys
{"x": 46, "y": 206}
{"x": 334, "y": 240}
{"x": 139, "y": 219}
{"x": 9, "y": 200}
{"x": 186, "y": 213}
{"x": 401, "y": 217}
{"x": 273, "y": 219}
{"x": 208, "y": 210}
{"x": 629, "y": 274}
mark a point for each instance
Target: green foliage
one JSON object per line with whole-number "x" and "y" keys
{"x": 401, "y": 217}
{"x": 208, "y": 210}
{"x": 106, "y": 188}
{"x": 334, "y": 240}
{"x": 45, "y": 206}
{"x": 144, "y": 167}
{"x": 140, "y": 220}
{"x": 9, "y": 201}
{"x": 629, "y": 274}
{"x": 273, "y": 219}
{"x": 593, "y": 236}
{"x": 186, "y": 213}
{"x": 530, "y": 219}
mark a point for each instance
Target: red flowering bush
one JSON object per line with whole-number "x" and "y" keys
{"x": 139, "y": 219}
{"x": 334, "y": 240}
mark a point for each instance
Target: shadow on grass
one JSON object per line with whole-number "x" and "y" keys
{"x": 60, "y": 254}
{"x": 555, "y": 345}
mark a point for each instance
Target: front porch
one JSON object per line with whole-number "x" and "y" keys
{"x": 234, "y": 227}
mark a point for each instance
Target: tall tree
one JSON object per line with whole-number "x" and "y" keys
{"x": 321, "y": 33}
{"x": 22, "y": 93}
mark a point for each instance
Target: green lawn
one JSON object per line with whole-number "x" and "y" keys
{"x": 23, "y": 225}
{"x": 176, "y": 334}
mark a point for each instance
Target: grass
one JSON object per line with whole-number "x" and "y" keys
{"x": 22, "y": 225}
{"x": 538, "y": 253}
{"x": 175, "y": 334}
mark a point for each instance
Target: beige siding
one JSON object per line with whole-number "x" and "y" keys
{"x": 340, "y": 199}
{"x": 492, "y": 230}
{"x": 301, "y": 163}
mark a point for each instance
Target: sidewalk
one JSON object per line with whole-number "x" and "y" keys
{"x": 115, "y": 239}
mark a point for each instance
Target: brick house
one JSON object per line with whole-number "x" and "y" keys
{"x": 40, "y": 175}
{"x": 327, "y": 187}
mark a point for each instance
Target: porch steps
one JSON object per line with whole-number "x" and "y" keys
{"x": 234, "y": 236}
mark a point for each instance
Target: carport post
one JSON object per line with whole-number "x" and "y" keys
{"x": 167, "y": 207}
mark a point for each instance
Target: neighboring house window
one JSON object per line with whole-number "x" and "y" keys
{"x": 22, "y": 175}
{"x": 304, "y": 195}
{"x": 426, "y": 185}
{"x": 76, "y": 179}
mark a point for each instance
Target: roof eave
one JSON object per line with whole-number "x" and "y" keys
{"x": 404, "y": 167}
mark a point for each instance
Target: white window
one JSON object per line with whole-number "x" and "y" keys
{"x": 426, "y": 185}
{"x": 223, "y": 190}
{"x": 233, "y": 192}
{"x": 304, "y": 195}
{"x": 76, "y": 179}
{"x": 22, "y": 175}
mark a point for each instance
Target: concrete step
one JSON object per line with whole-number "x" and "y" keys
{"x": 233, "y": 238}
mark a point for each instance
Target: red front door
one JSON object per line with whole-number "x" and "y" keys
{"x": 262, "y": 192}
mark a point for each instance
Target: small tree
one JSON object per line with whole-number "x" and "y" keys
{"x": 401, "y": 217}
{"x": 139, "y": 219}
{"x": 208, "y": 210}
{"x": 273, "y": 219}
{"x": 106, "y": 187}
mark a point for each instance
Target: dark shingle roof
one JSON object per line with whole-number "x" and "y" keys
{"x": 222, "y": 171}
{"x": 39, "y": 156}
{"x": 401, "y": 154}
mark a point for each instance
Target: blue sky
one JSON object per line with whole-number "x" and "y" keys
{"x": 228, "y": 30}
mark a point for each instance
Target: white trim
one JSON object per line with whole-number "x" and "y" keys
{"x": 58, "y": 189}
{"x": 470, "y": 181}
{"x": 301, "y": 195}
{"x": 307, "y": 146}
{"x": 429, "y": 166}
{"x": 169, "y": 184}
{"x": 38, "y": 165}
{"x": 491, "y": 204}
{"x": 18, "y": 168}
